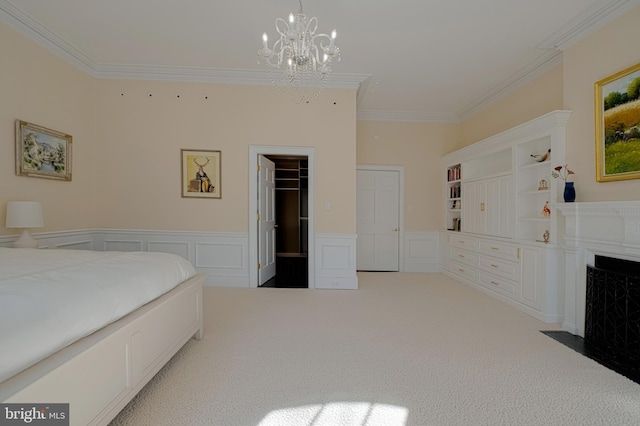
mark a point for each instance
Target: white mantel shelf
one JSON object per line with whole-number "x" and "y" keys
{"x": 607, "y": 228}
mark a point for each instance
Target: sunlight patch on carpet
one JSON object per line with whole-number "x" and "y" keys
{"x": 342, "y": 413}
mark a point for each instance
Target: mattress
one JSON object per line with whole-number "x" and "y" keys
{"x": 52, "y": 298}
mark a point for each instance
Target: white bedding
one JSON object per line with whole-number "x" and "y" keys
{"x": 51, "y": 298}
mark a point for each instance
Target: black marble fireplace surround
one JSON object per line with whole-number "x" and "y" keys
{"x": 612, "y": 313}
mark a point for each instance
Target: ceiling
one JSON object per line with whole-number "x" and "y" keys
{"x": 418, "y": 60}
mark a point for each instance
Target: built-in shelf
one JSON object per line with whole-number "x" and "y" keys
{"x": 508, "y": 240}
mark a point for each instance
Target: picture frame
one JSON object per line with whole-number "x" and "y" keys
{"x": 42, "y": 152}
{"x": 617, "y": 114}
{"x": 201, "y": 173}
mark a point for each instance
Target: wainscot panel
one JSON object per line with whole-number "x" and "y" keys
{"x": 336, "y": 261}
{"x": 422, "y": 251}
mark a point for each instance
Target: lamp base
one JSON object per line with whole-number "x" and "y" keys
{"x": 25, "y": 240}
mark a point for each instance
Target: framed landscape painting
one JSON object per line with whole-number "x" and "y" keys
{"x": 617, "y": 106}
{"x": 42, "y": 152}
{"x": 201, "y": 174}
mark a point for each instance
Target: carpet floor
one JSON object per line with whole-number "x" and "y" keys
{"x": 404, "y": 349}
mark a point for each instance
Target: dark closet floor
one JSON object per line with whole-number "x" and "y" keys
{"x": 273, "y": 282}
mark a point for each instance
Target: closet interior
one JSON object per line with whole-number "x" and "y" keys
{"x": 291, "y": 201}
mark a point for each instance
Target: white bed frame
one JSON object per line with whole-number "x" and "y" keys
{"x": 99, "y": 374}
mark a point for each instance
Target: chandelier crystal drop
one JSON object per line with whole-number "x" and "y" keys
{"x": 300, "y": 60}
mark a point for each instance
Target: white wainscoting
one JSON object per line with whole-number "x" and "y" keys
{"x": 224, "y": 257}
{"x": 336, "y": 261}
{"x": 82, "y": 239}
{"x": 421, "y": 251}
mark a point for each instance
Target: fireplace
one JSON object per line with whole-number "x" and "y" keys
{"x": 612, "y": 313}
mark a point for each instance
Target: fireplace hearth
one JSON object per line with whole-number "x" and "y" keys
{"x": 612, "y": 314}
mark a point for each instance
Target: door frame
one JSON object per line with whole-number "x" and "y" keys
{"x": 310, "y": 153}
{"x": 400, "y": 170}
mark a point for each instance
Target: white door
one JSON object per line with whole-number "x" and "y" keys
{"x": 266, "y": 220}
{"x": 377, "y": 220}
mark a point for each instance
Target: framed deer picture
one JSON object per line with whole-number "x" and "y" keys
{"x": 201, "y": 173}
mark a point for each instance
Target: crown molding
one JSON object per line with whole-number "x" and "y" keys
{"x": 543, "y": 63}
{"x": 213, "y": 75}
{"x": 596, "y": 16}
{"x": 28, "y": 26}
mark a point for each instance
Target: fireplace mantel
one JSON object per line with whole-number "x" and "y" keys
{"x": 609, "y": 228}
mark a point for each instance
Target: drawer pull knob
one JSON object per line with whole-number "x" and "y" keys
{"x": 495, "y": 248}
{"x": 494, "y": 283}
{"x": 461, "y": 256}
{"x": 461, "y": 270}
{"x": 494, "y": 266}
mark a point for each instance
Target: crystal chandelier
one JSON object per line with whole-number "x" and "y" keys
{"x": 300, "y": 61}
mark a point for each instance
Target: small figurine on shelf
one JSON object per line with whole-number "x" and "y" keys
{"x": 545, "y": 236}
{"x": 543, "y": 157}
{"x": 546, "y": 211}
{"x": 543, "y": 186}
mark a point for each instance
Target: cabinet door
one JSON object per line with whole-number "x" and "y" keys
{"x": 507, "y": 211}
{"x": 468, "y": 207}
{"x": 474, "y": 205}
{"x": 499, "y": 207}
{"x": 488, "y": 207}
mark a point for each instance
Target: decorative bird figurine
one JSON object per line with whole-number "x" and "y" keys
{"x": 543, "y": 157}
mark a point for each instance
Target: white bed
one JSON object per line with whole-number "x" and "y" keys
{"x": 91, "y": 328}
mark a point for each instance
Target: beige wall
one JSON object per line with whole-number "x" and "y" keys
{"x": 126, "y": 149}
{"x": 417, "y": 147}
{"x": 536, "y": 98}
{"x": 604, "y": 53}
{"x": 141, "y": 137}
{"x": 40, "y": 88}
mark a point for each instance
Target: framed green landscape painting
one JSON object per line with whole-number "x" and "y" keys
{"x": 617, "y": 106}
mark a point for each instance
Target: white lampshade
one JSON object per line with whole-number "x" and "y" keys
{"x": 24, "y": 214}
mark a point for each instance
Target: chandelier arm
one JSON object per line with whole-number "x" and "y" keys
{"x": 313, "y": 21}
{"x": 286, "y": 26}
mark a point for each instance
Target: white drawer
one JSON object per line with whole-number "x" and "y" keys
{"x": 465, "y": 257}
{"x": 501, "y": 267}
{"x": 464, "y": 271}
{"x": 463, "y": 242}
{"x": 500, "y": 285}
{"x": 504, "y": 250}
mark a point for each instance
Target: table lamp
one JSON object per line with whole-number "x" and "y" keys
{"x": 25, "y": 215}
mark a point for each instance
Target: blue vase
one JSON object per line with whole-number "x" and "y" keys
{"x": 569, "y": 192}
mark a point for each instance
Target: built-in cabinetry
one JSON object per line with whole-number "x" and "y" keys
{"x": 501, "y": 222}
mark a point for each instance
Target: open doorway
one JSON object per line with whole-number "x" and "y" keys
{"x": 291, "y": 217}
{"x": 281, "y": 244}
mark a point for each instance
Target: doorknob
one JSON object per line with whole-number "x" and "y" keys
{"x": 395, "y": 229}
